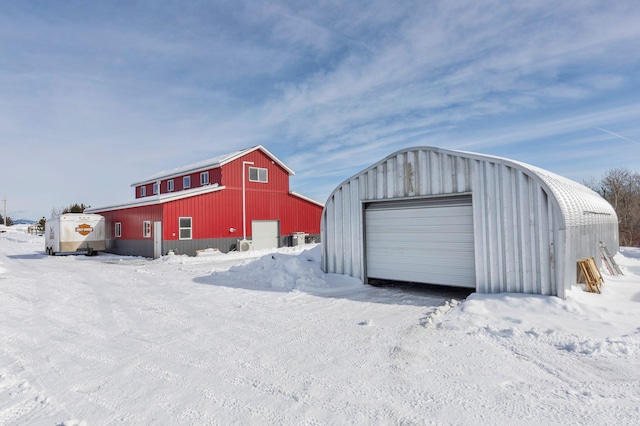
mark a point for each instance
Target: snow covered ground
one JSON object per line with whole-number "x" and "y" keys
{"x": 267, "y": 338}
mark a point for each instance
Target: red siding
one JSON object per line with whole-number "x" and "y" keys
{"x": 212, "y": 215}
{"x": 131, "y": 220}
{"x": 216, "y": 213}
{"x": 215, "y": 176}
{"x": 278, "y": 177}
{"x": 148, "y": 188}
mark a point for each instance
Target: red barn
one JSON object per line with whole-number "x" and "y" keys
{"x": 236, "y": 201}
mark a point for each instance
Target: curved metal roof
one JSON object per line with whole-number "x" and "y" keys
{"x": 578, "y": 205}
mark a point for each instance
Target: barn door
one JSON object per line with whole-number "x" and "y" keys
{"x": 157, "y": 239}
{"x": 265, "y": 234}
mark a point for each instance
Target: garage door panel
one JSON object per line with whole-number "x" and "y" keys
{"x": 398, "y": 240}
{"x": 428, "y": 241}
{"x": 419, "y": 249}
{"x": 434, "y": 214}
{"x": 418, "y": 229}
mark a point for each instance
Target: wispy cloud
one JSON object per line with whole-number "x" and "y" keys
{"x": 618, "y": 136}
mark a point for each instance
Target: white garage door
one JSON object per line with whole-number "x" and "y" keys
{"x": 264, "y": 234}
{"x": 425, "y": 241}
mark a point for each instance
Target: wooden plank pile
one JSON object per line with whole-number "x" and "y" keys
{"x": 589, "y": 274}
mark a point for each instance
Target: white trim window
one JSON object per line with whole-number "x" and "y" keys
{"x": 143, "y": 191}
{"x": 118, "y": 229}
{"x": 204, "y": 178}
{"x": 170, "y": 185}
{"x": 257, "y": 174}
{"x": 155, "y": 188}
{"x": 186, "y": 182}
{"x": 146, "y": 229}
{"x": 184, "y": 228}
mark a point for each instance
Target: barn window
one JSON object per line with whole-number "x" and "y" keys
{"x": 170, "y": 185}
{"x": 204, "y": 178}
{"x": 143, "y": 191}
{"x": 186, "y": 182}
{"x": 258, "y": 175}
{"x": 146, "y": 229}
{"x": 184, "y": 225}
{"x": 155, "y": 188}
{"x": 118, "y": 229}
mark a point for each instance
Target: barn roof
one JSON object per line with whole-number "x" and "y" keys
{"x": 208, "y": 164}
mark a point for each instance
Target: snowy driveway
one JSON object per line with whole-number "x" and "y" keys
{"x": 272, "y": 340}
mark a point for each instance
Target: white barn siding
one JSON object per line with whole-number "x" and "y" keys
{"x": 530, "y": 226}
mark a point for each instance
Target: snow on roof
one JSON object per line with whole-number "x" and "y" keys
{"x": 209, "y": 163}
{"x": 579, "y": 205}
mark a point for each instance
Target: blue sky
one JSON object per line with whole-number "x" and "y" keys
{"x": 97, "y": 95}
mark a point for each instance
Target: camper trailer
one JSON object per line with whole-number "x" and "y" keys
{"x": 75, "y": 232}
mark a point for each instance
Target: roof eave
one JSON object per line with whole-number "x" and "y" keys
{"x": 216, "y": 164}
{"x": 159, "y": 199}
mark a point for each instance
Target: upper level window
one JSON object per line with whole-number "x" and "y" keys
{"x": 143, "y": 191}
{"x": 186, "y": 182}
{"x": 170, "y": 185}
{"x": 155, "y": 188}
{"x": 204, "y": 178}
{"x": 258, "y": 175}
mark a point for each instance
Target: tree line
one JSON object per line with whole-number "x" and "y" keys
{"x": 9, "y": 220}
{"x": 55, "y": 212}
{"x": 621, "y": 188}
{"x": 72, "y": 208}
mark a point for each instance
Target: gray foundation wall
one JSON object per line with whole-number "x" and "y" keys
{"x": 144, "y": 248}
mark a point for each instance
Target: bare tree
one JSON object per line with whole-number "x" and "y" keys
{"x": 621, "y": 188}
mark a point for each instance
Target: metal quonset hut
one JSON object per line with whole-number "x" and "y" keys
{"x": 238, "y": 201}
{"x": 436, "y": 216}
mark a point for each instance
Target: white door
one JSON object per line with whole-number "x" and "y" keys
{"x": 265, "y": 234}
{"x": 157, "y": 240}
{"x": 424, "y": 241}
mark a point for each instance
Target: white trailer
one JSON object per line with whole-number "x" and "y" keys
{"x": 75, "y": 232}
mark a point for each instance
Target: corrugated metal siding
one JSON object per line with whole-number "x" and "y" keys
{"x": 131, "y": 220}
{"x": 189, "y": 247}
{"x": 148, "y": 190}
{"x": 142, "y": 248}
{"x": 215, "y": 176}
{"x": 278, "y": 177}
{"x": 527, "y": 238}
{"x": 214, "y": 214}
